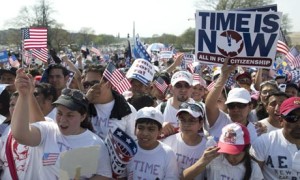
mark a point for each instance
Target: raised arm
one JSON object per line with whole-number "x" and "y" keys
{"x": 22, "y": 131}
{"x": 200, "y": 165}
{"x": 211, "y": 106}
{"x": 177, "y": 62}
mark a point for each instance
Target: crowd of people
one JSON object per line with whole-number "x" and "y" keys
{"x": 189, "y": 130}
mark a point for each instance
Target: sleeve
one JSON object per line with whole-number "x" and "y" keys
{"x": 45, "y": 127}
{"x": 104, "y": 164}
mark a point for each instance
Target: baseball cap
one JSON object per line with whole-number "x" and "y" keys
{"x": 193, "y": 109}
{"x": 239, "y": 95}
{"x": 182, "y": 76}
{"x": 233, "y": 139}
{"x": 73, "y": 99}
{"x": 244, "y": 75}
{"x": 289, "y": 105}
{"x": 150, "y": 113}
{"x": 11, "y": 70}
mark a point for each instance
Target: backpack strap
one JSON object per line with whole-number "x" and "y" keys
{"x": 10, "y": 158}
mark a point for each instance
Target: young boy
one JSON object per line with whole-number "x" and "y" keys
{"x": 188, "y": 144}
{"x": 154, "y": 160}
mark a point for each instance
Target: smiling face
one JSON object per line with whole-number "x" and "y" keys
{"x": 147, "y": 134}
{"x": 69, "y": 121}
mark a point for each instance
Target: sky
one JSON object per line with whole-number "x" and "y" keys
{"x": 115, "y": 17}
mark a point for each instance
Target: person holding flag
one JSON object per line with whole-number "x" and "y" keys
{"x": 109, "y": 109}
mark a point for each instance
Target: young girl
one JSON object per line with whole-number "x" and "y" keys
{"x": 230, "y": 159}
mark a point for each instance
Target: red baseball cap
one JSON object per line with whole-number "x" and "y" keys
{"x": 233, "y": 139}
{"x": 289, "y": 105}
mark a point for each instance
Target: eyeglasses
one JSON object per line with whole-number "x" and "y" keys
{"x": 74, "y": 94}
{"x": 291, "y": 118}
{"x": 88, "y": 84}
{"x": 238, "y": 105}
{"x": 182, "y": 85}
{"x": 191, "y": 106}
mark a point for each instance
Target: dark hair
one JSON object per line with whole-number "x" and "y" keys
{"x": 4, "y": 100}
{"x": 58, "y": 66}
{"x": 276, "y": 94}
{"x": 138, "y": 101}
{"x": 86, "y": 123}
{"x": 148, "y": 121}
{"x": 247, "y": 162}
{"x": 95, "y": 68}
{"x": 47, "y": 90}
{"x": 292, "y": 85}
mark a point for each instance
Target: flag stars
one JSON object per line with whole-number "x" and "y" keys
{"x": 128, "y": 140}
{"x": 119, "y": 133}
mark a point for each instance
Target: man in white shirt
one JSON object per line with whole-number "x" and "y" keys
{"x": 278, "y": 152}
{"x": 181, "y": 89}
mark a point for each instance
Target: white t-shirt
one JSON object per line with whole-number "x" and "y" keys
{"x": 281, "y": 158}
{"x": 102, "y": 123}
{"x": 53, "y": 143}
{"x": 270, "y": 127}
{"x": 220, "y": 168}
{"x": 186, "y": 155}
{"x": 158, "y": 163}
{"x": 223, "y": 120}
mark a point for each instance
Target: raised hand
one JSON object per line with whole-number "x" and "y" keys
{"x": 24, "y": 83}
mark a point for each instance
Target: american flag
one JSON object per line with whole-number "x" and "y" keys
{"x": 96, "y": 51}
{"x": 116, "y": 78}
{"x": 293, "y": 57}
{"x": 50, "y": 159}
{"x": 196, "y": 77}
{"x": 34, "y": 38}
{"x": 282, "y": 46}
{"x": 293, "y": 76}
{"x": 13, "y": 61}
{"x": 140, "y": 50}
{"x": 211, "y": 86}
{"x": 161, "y": 84}
{"x": 190, "y": 68}
{"x": 27, "y": 57}
{"x": 41, "y": 54}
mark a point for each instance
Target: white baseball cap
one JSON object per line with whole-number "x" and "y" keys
{"x": 182, "y": 76}
{"x": 150, "y": 113}
{"x": 238, "y": 95}
{"x": 193, "y": 109}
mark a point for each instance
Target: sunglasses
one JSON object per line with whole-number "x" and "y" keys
{"x": 238, "y": 105}
{"x": 182, "y": 85}
{"x": 74, "y": 94}
{"x": 88, "y": 84}
{"x": 291, "y": 118}
{"x": 193, "y": 107}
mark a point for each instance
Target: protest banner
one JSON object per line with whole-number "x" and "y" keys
{"x": 249, "y": 38}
